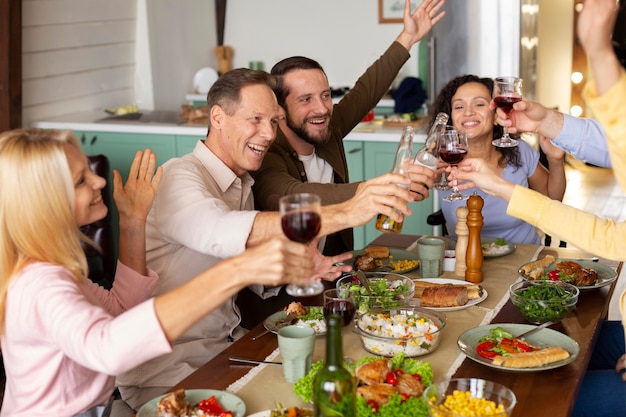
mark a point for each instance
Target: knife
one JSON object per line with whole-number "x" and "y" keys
{"x": 251, "y": 361}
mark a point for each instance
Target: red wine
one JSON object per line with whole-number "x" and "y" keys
{"x": 343, "y": 308}
{"x": 453, "y": 157}
{"x": 301, "y": 226}
{"x": 506, "y": 102}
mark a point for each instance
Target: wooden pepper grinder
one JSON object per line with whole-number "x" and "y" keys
{"x": 462, "y": 233}
{"x": 474, "y": 255}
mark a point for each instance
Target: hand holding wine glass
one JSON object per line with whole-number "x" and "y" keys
{"x": 452, "y": 149}
{"x": 506, "y": 92}
{"x": 301, "y": 221}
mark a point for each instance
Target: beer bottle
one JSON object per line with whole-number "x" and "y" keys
{"x": 401, "y": 164}
{"x": 428, "y": 155}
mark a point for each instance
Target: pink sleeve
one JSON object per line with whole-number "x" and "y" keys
{"x": 68, "y": 314}
{"x": 129, "y": 289}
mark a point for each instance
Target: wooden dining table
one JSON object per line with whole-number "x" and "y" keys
{"x": 541, "y": 393}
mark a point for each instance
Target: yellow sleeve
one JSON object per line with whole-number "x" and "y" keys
{"x": 602, "y": 237}
{"x": 610, "y": 111}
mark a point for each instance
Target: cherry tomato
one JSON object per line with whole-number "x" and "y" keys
{"x": 373, "y": 404}
{"x": 399, "y": 372}
{"x": 391, "y": 379}
{"x": 404, "y": 396}
{"x": 554, "y": 275}
{"x": 211, "y": 406}
{"x": 417, "y": 376}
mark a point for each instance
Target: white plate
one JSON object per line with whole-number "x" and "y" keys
{"x": 265, "y": 413}
{"x": 416, "y": 301}
{"x": 396, "y": 254}
{"x": 510, "y": 247}
{"x": 227, "y": 400}
{"x": 270, "y": 322}
{"x": 545, "y": 337}
{"x": 606, "y": 274}
{"x": 204, "y": 79}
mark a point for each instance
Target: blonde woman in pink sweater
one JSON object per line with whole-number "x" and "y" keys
{"x": 63, "y": 337}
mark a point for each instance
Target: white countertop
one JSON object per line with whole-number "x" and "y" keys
{"x": 384, "y": 102}
{"x": 87, "y": 121}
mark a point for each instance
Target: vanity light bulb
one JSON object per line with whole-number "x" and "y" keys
{"x": 577, "y": 77}
{"x": 576, "y": 111}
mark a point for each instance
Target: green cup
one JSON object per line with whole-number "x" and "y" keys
{"x": 430, "y": 251}
{"x": 296, "y": 345}
{"x": 256, "y": 65}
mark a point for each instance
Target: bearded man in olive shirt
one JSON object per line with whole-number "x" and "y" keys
{"x": 308, "y": 154}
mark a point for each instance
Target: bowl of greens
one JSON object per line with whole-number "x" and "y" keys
{"x": 543, "y": 301}
{"x": 388, "y": 290}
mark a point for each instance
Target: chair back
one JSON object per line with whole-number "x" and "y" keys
{"x": 102, "y": 260}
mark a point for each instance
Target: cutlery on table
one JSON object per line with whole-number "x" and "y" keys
{"x": 536, "y": 329}
{"x": 251, "y": 361}
{"x": 360, "y": 276}
{"x": 263, "y": 333}
{"x": 278, "y": 324}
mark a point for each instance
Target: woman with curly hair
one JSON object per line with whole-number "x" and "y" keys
{"x": 466, "y": 99}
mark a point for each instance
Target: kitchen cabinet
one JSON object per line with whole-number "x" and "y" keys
{"x": 354, "y": 156}
{"x": 186, "y": 143}
{"x": 374, "y": 159}
{"x": 120, "y": 149}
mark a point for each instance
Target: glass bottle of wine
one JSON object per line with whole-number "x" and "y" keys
{"x": 401, "y": 164}
{"x": 334, "y": 387}
{"x": 428, "y": 155}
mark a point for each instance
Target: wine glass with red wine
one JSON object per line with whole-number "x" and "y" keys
{"x": 452, "y": 149}
{"x": 506, "y": 92}
{"x": 344, "y": 307}
{"x": 301, "y": 222}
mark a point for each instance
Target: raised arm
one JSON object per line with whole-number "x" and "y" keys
{"x": 420, "y": 22}
{"x": 133, "y": 202}
{"x": 595, "y": 28}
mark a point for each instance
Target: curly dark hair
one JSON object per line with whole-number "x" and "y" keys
{"x": 443, "y": 103}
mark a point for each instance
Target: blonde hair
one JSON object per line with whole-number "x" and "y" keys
{"x": 37, "y": 222}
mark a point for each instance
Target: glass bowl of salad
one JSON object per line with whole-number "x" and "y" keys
{"x": 543, "y": 301}
{"x": 412, "y": 331}
{"x": 388, "y": 290}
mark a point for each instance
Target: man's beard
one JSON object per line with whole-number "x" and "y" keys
{"x": 303, "y": 134}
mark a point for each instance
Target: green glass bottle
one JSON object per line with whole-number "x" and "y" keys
{"x": 334, "y": 387}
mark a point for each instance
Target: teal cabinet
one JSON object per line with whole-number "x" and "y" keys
{"x": 120, "y": 149}
{"x": 354, "y": 155}
{"x": 377, "y": 159}
{"x": 185, "y": 144}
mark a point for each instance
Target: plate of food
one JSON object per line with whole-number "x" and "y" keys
{"x": 281, "y": 411}
{"x": 299, "y": 315}
{"x": 445, "y": 294}
{"x": 496, "y": 346}
{"x": 496, "y": 247}
{"x": 194, "y": 402}
{"x": 583, "y": 273}
{"x": 379, "y": 381}
{"x": 383, "y": 259}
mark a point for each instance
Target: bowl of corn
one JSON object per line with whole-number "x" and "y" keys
{"x": 466, "y": 397}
